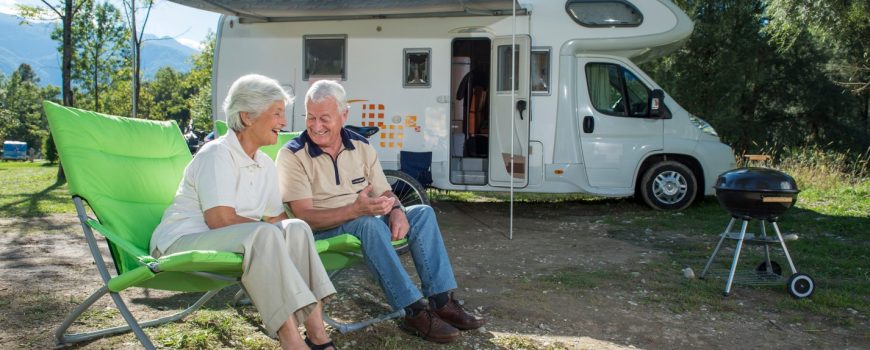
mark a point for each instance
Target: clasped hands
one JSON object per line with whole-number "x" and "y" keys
{"x": 382, "y": 205}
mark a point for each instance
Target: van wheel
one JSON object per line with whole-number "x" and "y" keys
{"x": 406, "y": 188}
{"x": 668, "y": 185}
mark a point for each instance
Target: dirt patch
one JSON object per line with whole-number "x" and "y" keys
{"x": 563, "y": 281}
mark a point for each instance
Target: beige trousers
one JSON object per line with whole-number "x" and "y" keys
{"x": 282, "y": 272}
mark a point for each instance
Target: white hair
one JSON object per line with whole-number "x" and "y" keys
{"x": 252, "y": 93}
{"x": 323, "y": 89}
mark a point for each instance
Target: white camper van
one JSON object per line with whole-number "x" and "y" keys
{"x": 538, "y": 95}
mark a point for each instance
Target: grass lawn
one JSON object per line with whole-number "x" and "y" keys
{"x": 831, "y": 218}
{"x": 31, "y": 190}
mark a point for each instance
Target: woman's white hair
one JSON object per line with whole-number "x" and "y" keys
{"x": 323, "y": 89}
{"x": 252, "y": 93}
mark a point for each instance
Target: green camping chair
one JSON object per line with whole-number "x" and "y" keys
{"x": 127, "y": 171}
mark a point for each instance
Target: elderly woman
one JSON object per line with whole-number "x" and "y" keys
{"x": 228, "y": 200}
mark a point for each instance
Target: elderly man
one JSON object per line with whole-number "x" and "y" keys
{"x": 331, "y": 178}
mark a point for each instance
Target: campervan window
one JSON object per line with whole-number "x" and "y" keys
{"x": 616, "y": 91}
{"x": 325, "y": 56}
{"x": 604, "y": 13}
{"x": 417, "y": 68}
{"x": 505, "y": 78}
{"x": 540, "y": 71}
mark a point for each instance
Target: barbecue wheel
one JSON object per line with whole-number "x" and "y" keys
{"x": 800, "y": 285}
{"x": 774, "y": 267}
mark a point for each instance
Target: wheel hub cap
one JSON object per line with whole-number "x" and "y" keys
{"x": 670, "y": 187}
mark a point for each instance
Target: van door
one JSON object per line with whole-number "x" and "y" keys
{"x": 509, "y": 115}
{"x": 616, "y": 131}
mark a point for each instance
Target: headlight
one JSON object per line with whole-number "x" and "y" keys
{"x": 703, "y": 125}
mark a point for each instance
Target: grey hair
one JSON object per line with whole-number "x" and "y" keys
{"x": 323, "y": 89}
{"x": 252, "y": 93}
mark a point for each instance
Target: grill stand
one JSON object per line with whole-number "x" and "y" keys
{"x": 799, "y": 285}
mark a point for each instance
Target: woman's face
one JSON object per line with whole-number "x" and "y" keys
{"x": 264, "y": 130}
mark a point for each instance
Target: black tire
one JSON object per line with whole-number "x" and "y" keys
{"x": 407, "y": 188}
{"x": 800, "y": 286}
{"x": 668, "y": 185}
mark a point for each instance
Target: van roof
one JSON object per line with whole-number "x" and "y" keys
{"x": 312, "y": 10}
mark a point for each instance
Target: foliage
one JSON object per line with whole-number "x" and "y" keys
{"x": 841, "y": 25}
{"x": 170, "y": 97}
{"x": 21, "y": 115}
{"x": 753, "y": 88}
{"x": 100, "y": 49}
{"x": 199, "y": 80}
{"x": 66, "y": 11}
{"x": 49, "y": 150}
{"x": 131, "y": 11}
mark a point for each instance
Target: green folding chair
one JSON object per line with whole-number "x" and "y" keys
{"x": 127, "y": 171}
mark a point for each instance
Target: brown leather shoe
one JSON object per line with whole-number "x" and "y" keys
{"x": 456, "y": 316}
{"x": 428, "y": 326}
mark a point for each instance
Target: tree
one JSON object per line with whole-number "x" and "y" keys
{"x": 839, "y": 26}
{"x": 21, "y": 114}
{"x": 754, "y": 92}
{"x": 136, "y": 34}
{"x": 199, "y": 81}
{"x": 170, "y": 97}
{"x": 100, "y": 48}
{"x": 65, "y": 11}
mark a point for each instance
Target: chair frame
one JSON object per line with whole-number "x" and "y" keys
{"x": 338, "y": 253}
{"x": 132, "y": 324}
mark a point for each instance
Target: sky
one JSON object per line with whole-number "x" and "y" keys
{"x": 187, "y": 25}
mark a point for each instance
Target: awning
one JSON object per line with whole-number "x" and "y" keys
{"x": 312, "y": 10}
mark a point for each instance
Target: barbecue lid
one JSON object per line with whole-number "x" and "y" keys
{"x": 756, "y": 179}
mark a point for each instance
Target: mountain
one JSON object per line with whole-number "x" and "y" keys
{"x": 32, "y": 44}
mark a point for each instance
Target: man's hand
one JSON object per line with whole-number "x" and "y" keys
{"x": 398, "y": 224}
{"x": 365, "y": 205}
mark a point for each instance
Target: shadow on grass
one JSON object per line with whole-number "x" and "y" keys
{"x": 30, "y": 207}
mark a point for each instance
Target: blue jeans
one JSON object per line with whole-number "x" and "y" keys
{"x": 426, "y": 246}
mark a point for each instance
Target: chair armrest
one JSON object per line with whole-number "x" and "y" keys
{"x": 119, "y": 242}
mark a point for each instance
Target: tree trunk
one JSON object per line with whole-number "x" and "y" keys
{"x": 66, "y": 65}
{"x": 96, "y": 81}
{"x": 134, "y": 37}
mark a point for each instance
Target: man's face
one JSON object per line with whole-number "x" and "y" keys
{"x": 324, "y": 123}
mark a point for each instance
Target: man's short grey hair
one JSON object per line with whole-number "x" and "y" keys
{"x": 252, "y": 93}
{"x": 323, "y": 89}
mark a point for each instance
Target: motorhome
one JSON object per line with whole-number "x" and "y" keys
{"x": 536, "y": 95}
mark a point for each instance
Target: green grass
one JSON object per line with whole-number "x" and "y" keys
{"x": 831, "y": 218}
{"x": 31, "y": 190}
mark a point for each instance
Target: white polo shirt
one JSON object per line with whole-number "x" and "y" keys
{"x": 221, "y": 174}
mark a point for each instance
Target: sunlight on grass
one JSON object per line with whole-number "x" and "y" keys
{"x": 831, "y": 219}
{"x": 31, "y": 189}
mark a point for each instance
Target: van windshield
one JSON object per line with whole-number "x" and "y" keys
{"x": 616, "y": 91}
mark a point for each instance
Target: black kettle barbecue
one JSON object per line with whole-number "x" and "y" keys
{"x": 761, "y": 194}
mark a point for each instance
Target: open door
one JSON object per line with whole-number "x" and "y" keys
{"x": 509, "y": 112}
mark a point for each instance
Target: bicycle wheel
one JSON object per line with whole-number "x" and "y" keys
{"x": 406, "y": 188}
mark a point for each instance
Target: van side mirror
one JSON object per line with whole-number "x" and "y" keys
{"x": 656, "y": 104}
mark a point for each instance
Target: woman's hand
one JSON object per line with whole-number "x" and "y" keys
{"x": 221, "y": 216}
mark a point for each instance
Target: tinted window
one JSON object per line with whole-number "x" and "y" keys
{"x": 604, "y": 13}
{"x": 325, "y": 56}
{"x": 540, "y": 71}
{"x": 505, "y": 78}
